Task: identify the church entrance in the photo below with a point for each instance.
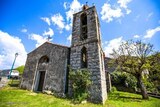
(41, 80)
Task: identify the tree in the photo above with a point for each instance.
(20, 69)
(131, 57)
(154, 71)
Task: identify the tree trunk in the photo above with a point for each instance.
(142, 87)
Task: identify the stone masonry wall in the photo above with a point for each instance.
(108, 70)
(56, 69)
(94, 53)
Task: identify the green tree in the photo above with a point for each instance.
(131, 57)
(154, 71)
(20, 69)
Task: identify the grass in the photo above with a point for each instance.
(11, 96)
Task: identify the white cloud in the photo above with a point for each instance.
(128, 11)
(49, 32)
(9, 45)
(47, 20)
(110, 12)
(73, 7)
(67, 27)
(69, 38)
(112, 44)
(136, 36)
(123, 3)
(65, 5)
(149, 15)
(24, 30)
(58, 20)
(151, 32)
(39, 39)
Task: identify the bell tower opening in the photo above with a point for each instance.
(84, 58)
(41, 72)
(83, 25)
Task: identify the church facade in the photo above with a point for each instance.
(46, 67)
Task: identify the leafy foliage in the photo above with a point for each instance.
(80, 82)
(113, 89)
(124, 79)
(20, 69)
(154, 72)
(132, 57)
(149, 85)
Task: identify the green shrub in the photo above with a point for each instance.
(113, 89)
(125, 80)
(80, 82)
(131, 81)
(149, 85)
(20, 69)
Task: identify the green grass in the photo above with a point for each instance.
(11, 96)
(124, 99)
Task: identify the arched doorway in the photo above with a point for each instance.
(41, 71)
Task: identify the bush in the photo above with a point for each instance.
(20, 69)
(80, 82)
(113, 89)
(131, 81)
(149, 85)
(125, 80)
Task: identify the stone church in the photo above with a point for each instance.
(46, 67)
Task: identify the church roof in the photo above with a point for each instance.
(58, 44)
(51, 44)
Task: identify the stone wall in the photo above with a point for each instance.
(56, 69)
(108, 70)
(95, 58)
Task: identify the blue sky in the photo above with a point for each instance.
(25, 24)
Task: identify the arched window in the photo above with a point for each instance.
(83, 58)
(83, 26)
(44, 59)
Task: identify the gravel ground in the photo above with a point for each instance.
(3, 81)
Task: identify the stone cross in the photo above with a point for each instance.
(86, 3)
(48, 38)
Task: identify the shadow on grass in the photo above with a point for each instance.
(14, 83)
(124, 98)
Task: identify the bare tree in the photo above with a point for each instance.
(131, 57)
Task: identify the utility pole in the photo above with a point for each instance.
(16, 54)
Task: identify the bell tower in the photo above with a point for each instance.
(86, 51)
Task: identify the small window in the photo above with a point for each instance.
(83, 26)
(83, 58)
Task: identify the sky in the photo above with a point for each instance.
(26, 24)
